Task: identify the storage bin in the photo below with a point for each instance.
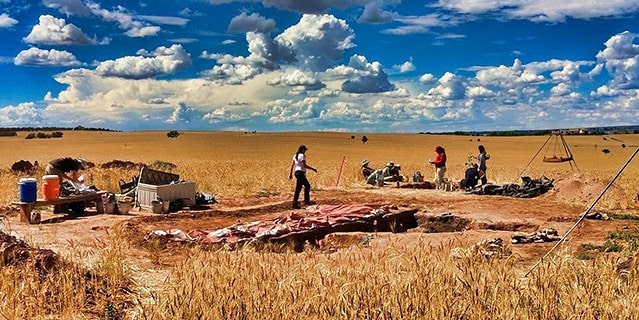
(147, 193)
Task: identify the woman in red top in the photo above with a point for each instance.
(440, 166)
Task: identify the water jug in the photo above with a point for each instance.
(28, 189)
(51, 187)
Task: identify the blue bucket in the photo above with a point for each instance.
(28, 189)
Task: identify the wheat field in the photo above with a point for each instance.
(229, 164)
(397, 282)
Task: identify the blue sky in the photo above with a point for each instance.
(323, 65)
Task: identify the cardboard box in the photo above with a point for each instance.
(166, 192)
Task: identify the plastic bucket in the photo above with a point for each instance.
(109, 208)
(28, 189)
(157, 206)
(51, 187)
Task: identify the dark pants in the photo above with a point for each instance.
(300, 176)
(484, 180)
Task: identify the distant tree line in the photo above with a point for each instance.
(77, 128)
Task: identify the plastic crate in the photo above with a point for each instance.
(166, 192)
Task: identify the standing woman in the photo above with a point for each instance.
(481, 163)
(300, 166)
(440, 166)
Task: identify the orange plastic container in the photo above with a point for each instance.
(51, 187)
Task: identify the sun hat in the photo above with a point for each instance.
(365, 162)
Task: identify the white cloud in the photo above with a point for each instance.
(479, 92)
(52, 31)
(187, 12)
(451, 87)
(6, 21)
(163, 60)
(317, 41)
(141, 32)
(621, 59)
(125, 20)
(24, 114)
(373, 79)
(407, 66)
(297, 78)
(166, 20)
(222, 115)
(374, 13)
(229, 41)
(181, 114)
(419, 24)
(52, 58)
(426, 78)
(543, 10)
(68, 7)
(251, 23)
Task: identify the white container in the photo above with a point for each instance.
(147, 193)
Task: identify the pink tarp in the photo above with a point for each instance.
(313, 217)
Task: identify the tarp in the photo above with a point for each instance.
(314, 222)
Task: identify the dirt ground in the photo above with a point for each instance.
(486, 217)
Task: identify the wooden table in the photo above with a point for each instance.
(27, 207)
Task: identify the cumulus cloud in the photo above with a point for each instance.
(375, 79)
(374, 13)
(407, 66)
(297, 78)
(161, 61)
(181, 114)
(451, 87)
(426, 78)
(53, 31)
(221, 115)
(24, 114)
(621, 59)
(283, 110)
(251, 23)
(6, 21)
(317, 41)
(51, 58)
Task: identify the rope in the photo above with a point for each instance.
(583, 215)
(531, 160)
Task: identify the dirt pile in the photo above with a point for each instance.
(582, 189)
(122, 164)
(15, 251)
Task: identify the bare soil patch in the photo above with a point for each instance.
(444, 218)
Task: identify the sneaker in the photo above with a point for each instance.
(296, 206)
